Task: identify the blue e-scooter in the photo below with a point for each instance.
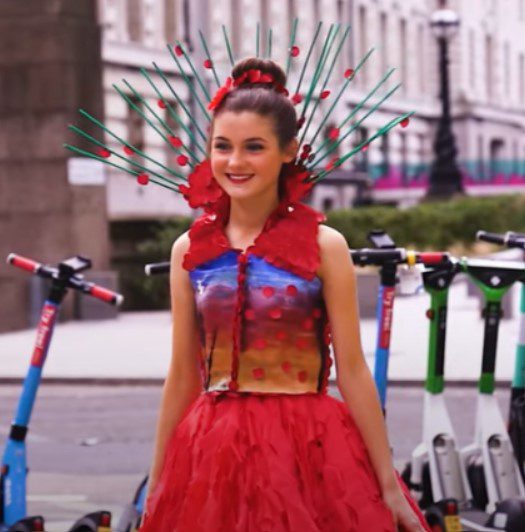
(13, 472)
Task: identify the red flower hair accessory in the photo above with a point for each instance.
(220, 94)
(295, 186)
(203, 190)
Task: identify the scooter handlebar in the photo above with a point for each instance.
(108, 296)
(23, 263)
(509, 239)
(432, 258)
(493, 238)
(156, 268)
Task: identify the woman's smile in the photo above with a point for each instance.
(239, 178)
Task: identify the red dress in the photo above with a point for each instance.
(264, 448)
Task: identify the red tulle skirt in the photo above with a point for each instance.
(267, 463)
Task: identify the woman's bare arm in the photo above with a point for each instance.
(182, 385)
(353, 376)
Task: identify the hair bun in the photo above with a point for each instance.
(266, 66)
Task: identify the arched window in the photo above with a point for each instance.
(135, 20)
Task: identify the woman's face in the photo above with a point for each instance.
(246, 158)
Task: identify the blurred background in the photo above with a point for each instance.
(461, 64)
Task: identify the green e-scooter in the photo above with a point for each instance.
(493, 472)
(516, 423)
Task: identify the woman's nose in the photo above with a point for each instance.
(236, 159)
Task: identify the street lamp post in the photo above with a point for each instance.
(445, 176)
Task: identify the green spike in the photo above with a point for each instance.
(325, 52)
(85, 153)
(380, 132)
(228, 45)
(257, 38)
(307, 60)
(269, 46)
(92, 119)
(162, 122)
(189, 84)
(208, 56)
(93, 140)
(339, 95)
(143, 115)
(293, 34)
(354, 126)
(181, 103)
(195, 73)
(325, 83)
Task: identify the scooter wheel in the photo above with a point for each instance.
(425, 490)
(435, 519)
(476, 478)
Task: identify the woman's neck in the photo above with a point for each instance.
(248, 216)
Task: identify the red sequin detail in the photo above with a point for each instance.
(324, 95)
(281, 335)
(294, 52)
(143, 179)
(128, 150)
(233, 386)
(349, 72)
(302, 376)
(161, 104)
(276, 313)
(175, 141)
(291, 290)
(208, 63)
(301, 343)
(404, 123)
(286, 366)
(178, 50)
(260, 343)
(103, 152)
(297, 98)
(258, 373)
(308, 324)
(317, 313)
(182, 160)
(268, 291)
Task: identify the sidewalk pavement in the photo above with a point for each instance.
(136, 345)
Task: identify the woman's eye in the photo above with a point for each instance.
(221, 146)
(255, 147)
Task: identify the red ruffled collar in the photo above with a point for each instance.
(289, 236)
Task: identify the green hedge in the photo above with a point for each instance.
(427, 226)
(433, 225)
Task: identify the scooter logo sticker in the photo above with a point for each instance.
(45, 328)
(386, 316)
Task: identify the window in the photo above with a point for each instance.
(135, 126)
(383, 46)
(135, 20)
(171, 20)
(521, 79)
(291, 15)
(404, 159)
(506, 67)
(361, 158)
(265, 26)
(496, 151)
(404, 52)
(489, 74)
(421, 50)
(363, 45)
(472, 57)
(481, 163)
(328, 204)
(385, 156)
(171, 155)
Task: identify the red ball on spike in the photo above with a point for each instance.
(208, 63)
(332, 164)
(128, 150)
(175, 141)
(300, 122)
(297, 98)
(182, 160)
(103, 152)
(333, 134)
(161, 104)
(294, 51)
(404, 123)
(143, 179)
(178, 50)
(349, 72)
(365, 147)
(324, 95)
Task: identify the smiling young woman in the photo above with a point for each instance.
(247, 437)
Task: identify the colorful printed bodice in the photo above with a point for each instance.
(263, 329)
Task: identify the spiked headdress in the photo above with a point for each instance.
(316, 154)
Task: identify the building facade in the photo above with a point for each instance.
(487, 73)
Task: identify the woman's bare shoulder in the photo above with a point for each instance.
(332, 248)
(180, 247)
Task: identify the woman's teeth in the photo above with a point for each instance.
(239, 178)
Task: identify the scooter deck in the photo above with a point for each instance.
(475, 520)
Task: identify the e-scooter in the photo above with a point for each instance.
(493, 472)
(516, 423)
(13, 473)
